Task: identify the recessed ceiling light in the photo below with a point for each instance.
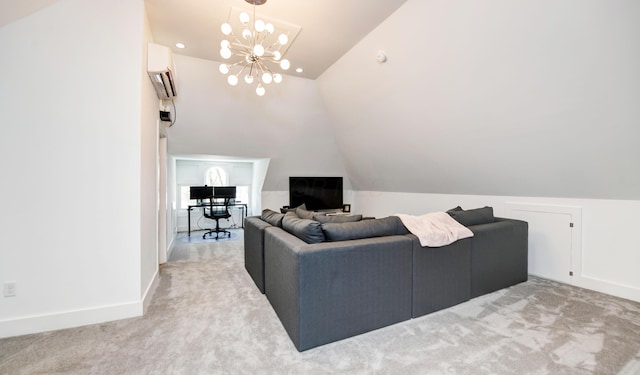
(179, 45)
(299, 70)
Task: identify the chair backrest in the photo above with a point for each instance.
(218, 208)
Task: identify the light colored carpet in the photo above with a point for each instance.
(207, 317)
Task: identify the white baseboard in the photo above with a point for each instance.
(170, 247)
(607, 287)
(602, 286)
(148, 294)
(69, 319)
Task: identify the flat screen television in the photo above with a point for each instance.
(200, 192)
(224, 191)
(317, 193)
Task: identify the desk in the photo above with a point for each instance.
(243, 207)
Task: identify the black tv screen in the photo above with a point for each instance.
(224, 191)
(317, 193)
(200, 192)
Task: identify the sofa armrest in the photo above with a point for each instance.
(329, 291)
(499, 255)
(254, 249)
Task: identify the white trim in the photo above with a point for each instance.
(148, 294)
(608, 287)
(580, 277)
(170, 247)
(575, 213)
(69, 319)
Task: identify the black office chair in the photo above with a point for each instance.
(217, 210)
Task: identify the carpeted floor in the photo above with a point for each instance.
(207, 317)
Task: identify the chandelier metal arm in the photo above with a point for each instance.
(249, 47)
(234, 46)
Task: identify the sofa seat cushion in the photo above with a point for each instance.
(272, 217)
(309, 231)
(475, 216)
(388, 226)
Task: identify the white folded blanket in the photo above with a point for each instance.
(435, 229)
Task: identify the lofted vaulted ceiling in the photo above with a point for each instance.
(12, 10)
(538, 98)
(329, 28)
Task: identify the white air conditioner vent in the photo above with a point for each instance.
(161, 70)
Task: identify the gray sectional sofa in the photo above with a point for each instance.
(329, 278)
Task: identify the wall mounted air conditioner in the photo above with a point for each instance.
(161, 70)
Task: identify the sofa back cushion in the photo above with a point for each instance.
(322, 218)
(475, 216)
(387, 226)
(272, 217)
(309, 231)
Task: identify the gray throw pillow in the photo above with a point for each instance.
(304, 214)
(309, 231)
(475, 216)
(322, 218)
(387, 226)
(272, 217)
(285, 210)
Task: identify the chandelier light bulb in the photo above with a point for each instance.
(244, 18)
(258, 50)
(225, 53)
(233, 80)
(226, 29)
(270, 28)
(255, 50)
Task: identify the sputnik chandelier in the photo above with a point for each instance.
(253, 49)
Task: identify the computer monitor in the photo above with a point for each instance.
(200, 192)
(224, 192)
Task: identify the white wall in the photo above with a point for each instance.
(71, 150)
(289, 125)
(149, 170)
(192, 172)
(528, 98)
(172, 202)
(609, 247)
(482, 103)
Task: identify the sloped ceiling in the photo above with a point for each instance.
(534, 98)
(329, 28)
(12, 10)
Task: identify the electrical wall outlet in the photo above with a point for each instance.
(10, 289)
